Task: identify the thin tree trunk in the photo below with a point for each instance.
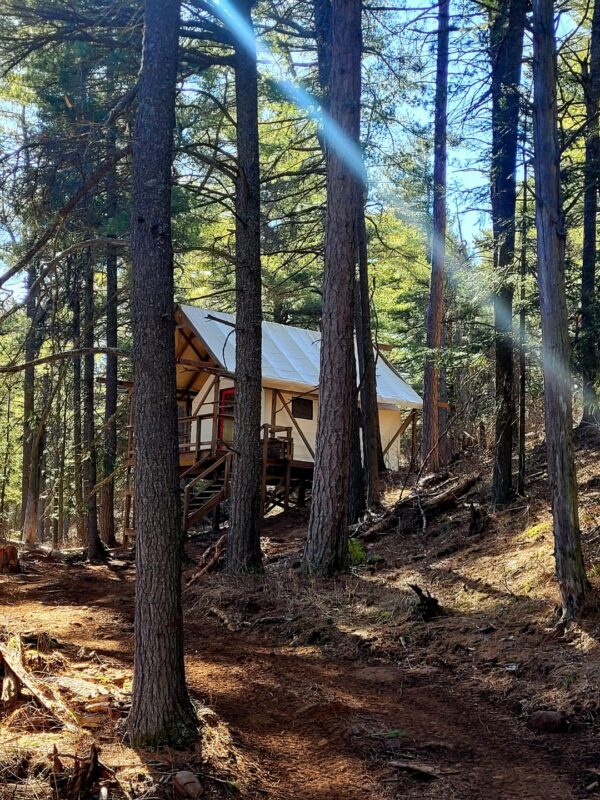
(523, 330)
(356, 481)
(591, 178)
(31, 351)
(372, 448)
(327, 543)
(95, 550)
(161, 711)
(243, 541)
(507, 27)
(30, 523)
(107, 501)
(32, 532)
(6, 462)
(555, 334)
(61, 477)
(435, 312)
(75, 303)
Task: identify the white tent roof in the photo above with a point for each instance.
(290, 356)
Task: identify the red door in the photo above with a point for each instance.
(226, 401)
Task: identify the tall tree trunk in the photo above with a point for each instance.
(523, 333)
(30, 522)
(31, 351)
(591, 180)
(62, 532)
(32, 530)
(243, 542)
(95, 550)
(161, 711)
(323, 12)
(356, 481)
(6, 463)
(372, 449)
(555, 334)
(435, 312)
(107, 501)
(75, 303)
(507, 27)
(327, 542)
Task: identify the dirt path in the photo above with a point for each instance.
(307, 723)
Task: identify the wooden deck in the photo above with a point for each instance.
(206, 468)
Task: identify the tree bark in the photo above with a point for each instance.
(591, 178)
(6, 463)
(95, 550)
(372, 449)
(507, 26)
(243, 541)
(75, 303)
(523, 335)
(356, 481)
(555, 335)
(327, 543)
(31, 351)
(161, 711)
(107, 501)
(430, 447)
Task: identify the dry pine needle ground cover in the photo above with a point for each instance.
(328, 690)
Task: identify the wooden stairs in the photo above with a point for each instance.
(205, 486)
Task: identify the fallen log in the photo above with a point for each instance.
(210, 558)
(451, 495)
(409, 511)
(12, 664)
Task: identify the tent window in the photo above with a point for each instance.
(302, 408)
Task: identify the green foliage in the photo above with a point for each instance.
(357, 552)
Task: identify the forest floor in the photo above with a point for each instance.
(337, 690)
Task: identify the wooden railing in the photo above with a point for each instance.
(275, 446)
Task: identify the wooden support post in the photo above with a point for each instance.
(288, 481)
(302, 493)
(413, 451)
(273, 407)
(265, 456)
(215, 419)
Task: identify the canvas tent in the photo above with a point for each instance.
(205, 349)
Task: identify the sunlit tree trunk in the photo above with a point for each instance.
(507, 25)
(107, 501)
(95, 550)
(31, 351)
(555, 334)
(327, 543)
(590, 324)
(372, 449)
(161, 711)
(430, 448)
(523, 336)
(245, 520)
(75, 304)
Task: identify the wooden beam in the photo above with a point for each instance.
(404, 425)
(273, 408)
(295, 424)
(215, 418)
